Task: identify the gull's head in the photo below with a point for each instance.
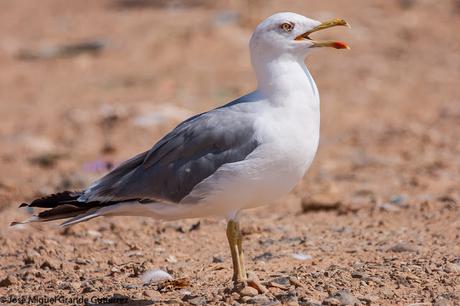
(289, 34)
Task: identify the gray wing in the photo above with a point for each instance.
(169, 171)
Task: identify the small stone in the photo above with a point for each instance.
(301, 256)
(287, 298)
(398, 199)
(369, 299)
(115, 270)
(217, 259)
(331, 302)
(94, 234)
(31, 255)
(263, 257)
(130, 286)
(171, 259)
(154, 276)
(320, 202)
(282, 280)
(401, 247)
(80, 261)
(235, 296)
(134, 253)
(108, 242)
(248, 291)
(8, 281)
(87, 289)
(309, 302)
(387, 293)
(199, 300)
(343, 297)
(452, 268)
(150, 293)
(359, 275)
(49, 264)
(259, 300)
(295, 281)
(65, 286)
(389, 207)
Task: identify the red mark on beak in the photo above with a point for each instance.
(340, 45)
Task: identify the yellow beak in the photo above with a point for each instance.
(326, 43)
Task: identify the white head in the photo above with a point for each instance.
(288, 34)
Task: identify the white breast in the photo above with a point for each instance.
(289, 138)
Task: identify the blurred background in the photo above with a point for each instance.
(86, 84)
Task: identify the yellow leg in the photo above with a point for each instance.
(239, 244)
(235, 242)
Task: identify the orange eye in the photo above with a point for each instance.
(287, 26)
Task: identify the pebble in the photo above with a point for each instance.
(282, 280)
(309, 302)
(150, 293)
(248, 291)
(171, 259)
(154, 276)
(134, 253)
(130, 286)
(331, 302)
(199, 300)
(301, 256)
(263, 257)
(94, 234)
(217, 259)
(287, 298)
(65, 286)
(115, 270)
(80, 261)
(389, 207)
(343, 297)
(108, 242)
(30, 257)
(452, 268)
(401, 247)
(295, 281)
(359, 275)
(258, 300)
(49, 264)
(398, 199)
(369, 299)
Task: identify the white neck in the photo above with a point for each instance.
(285, 80)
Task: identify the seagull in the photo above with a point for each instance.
(241, 155)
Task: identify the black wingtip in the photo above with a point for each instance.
(23, 205)
(14, 223)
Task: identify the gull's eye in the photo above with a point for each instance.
(287, 26)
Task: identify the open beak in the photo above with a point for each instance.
(326, 43)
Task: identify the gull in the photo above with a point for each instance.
(241, 155)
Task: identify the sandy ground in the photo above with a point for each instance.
(375, 221)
